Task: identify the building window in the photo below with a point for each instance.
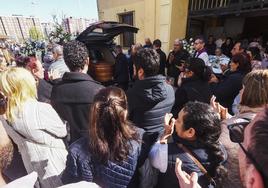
(126, 39)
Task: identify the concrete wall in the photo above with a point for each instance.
(107, 4)
(111, 13)
(157, 19)
(178, 21)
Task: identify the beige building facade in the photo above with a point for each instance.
(17, 27)
(157, 19)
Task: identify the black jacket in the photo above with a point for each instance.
(149, 100)
(226, 49)
(163, 61)
(72, 98)
(210, 48)
(173, 67)
(44, 89)
(192, 89)
(121, 72)
(226, 90)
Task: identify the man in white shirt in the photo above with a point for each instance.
(59, 63)
(201, 53)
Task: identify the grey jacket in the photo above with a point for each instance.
(38, 132)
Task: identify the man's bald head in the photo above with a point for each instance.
(178, 45)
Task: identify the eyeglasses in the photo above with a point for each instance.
(236, 132)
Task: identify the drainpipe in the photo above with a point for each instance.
(98, 8)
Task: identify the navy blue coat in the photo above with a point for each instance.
(226, 90)
(81, 166)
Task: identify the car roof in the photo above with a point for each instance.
(104, 31)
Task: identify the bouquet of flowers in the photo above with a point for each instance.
(29, 48)
(59, 36)
(189, 46)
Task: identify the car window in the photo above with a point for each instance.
(96, 55)
(102, 54)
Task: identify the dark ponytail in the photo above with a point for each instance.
(217, 159)
(110, 132)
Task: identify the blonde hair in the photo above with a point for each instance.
(18, 85)
(255, 93)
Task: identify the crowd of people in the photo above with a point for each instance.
(181, 120)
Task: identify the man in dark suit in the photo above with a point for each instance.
(73, 96)
(121, 72)
(163, 58)
(175, 60)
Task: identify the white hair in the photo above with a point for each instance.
(58, 49)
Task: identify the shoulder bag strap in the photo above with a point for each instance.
(196, 161)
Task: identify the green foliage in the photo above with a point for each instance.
(35, 34)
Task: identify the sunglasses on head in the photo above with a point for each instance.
(236, 133)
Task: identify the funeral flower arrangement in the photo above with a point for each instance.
(189, 46)
(31, 47)
(59, 36)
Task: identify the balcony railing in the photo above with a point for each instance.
(199, 7)
(207, 4)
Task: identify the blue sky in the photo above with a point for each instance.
(45, 8)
